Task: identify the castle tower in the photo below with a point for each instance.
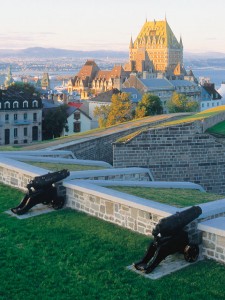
(156, 47)
(9, 80)
(45, 82)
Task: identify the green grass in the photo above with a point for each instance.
(187, 119)
(218, 129)
(68, 255)
(174, 197)
(57, 167)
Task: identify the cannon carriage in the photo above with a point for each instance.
(169, 238)
(42, 190)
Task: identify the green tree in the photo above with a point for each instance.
(181, 103)
(55, 120)
(120, 109)
(148, 106)
(101, 113)
(26, 88)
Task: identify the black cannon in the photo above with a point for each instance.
(41, 190)
(169, 238)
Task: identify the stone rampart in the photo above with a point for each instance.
(177, 153)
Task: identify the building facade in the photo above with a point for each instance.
(156, 49)
(90, 80)
(20, 118)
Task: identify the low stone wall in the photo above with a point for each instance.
(213, 239)
(125, 210)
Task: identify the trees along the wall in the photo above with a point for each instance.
(120, 109)
(101, 113)
(54, 122)
(181, 103)
(148, 106)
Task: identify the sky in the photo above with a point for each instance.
(109, 24)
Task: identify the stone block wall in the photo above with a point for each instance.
(122, 214)
(101, 148)
(177, 153)
(213, 239)
(121, 209)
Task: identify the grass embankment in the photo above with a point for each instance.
(195, 117)
(69, 255)
(174, 197)
(69, 167)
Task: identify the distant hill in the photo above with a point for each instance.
(193, 60)
(39, 52)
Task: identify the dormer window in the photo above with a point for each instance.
(25, 104)
(7, 105)
(15, 104)
(35, 103)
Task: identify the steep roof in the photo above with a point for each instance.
(89, 69)
(156, 33)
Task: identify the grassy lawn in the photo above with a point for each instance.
(57, 167)
(175, 197)
(69, 255)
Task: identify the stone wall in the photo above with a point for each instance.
(101, 148)
(113, 206)
(213, 239)
(177, 153)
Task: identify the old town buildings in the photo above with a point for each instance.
(20, 117)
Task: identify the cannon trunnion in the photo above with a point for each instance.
(41, 190)
(169, 238)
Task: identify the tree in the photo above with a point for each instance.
(120, 109)
(181, 103)
(23, 87)
(55, 120)
(148, 106)
(102, 112)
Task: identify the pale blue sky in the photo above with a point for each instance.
(104, 24)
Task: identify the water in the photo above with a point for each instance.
(216, 76)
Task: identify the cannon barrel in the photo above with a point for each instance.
(47, 180)
(170, 225)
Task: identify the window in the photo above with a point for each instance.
(7, 105)
(15, 132)
(7, 117)
(25, 131)
(25, 104)
(25, 116)
(15, 117)
(35, 117)
(15, 104)
(76, 115)
(35, 103)
(76, 127)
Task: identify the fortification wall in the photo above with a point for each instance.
(177, 153)
(101, 148)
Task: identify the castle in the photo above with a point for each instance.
(156, 49)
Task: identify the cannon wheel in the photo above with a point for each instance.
(191, 252)
(58, 203)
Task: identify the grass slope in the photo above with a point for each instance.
(57, 167)
(68, 255)
(175, 197)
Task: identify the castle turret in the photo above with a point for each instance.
(9, 80)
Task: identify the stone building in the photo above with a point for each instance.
(156, 49)
(20, 118)
(91, 80)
